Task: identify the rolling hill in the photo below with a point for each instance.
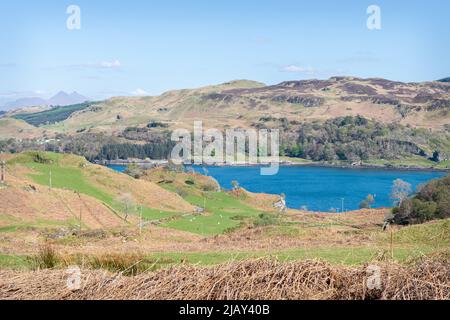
(240, 103)
(341, 114)
(50, 189)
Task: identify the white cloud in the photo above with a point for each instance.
(298, 69)
(140, 92)
(292, 68)
(110, 64)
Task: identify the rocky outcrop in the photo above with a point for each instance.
(439, 104)
(306, 101)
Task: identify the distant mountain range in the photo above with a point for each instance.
(445, 80)
(60, 99)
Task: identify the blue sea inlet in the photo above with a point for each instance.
(319, 188)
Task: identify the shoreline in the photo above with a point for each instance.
(366, 166)
(155, 163)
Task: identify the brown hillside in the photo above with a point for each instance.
(243, 103)
(24, 201)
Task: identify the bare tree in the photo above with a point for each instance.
(400, 191)
(281, 204)
(126, 203)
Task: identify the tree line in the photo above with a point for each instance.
(157, 151)
(356, 138)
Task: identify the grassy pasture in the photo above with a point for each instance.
(223, 213)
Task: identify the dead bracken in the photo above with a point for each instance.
(427, 278)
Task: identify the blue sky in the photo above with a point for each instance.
(136, 47)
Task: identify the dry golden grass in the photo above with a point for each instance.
(146, 193)
(260, 201)
(428, 278)
(30, 202)
(192, 182)
(12, 128)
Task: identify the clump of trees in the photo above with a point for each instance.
(348, 138)
(146, 133)
(125, 151)
(157, 124)
(432, 201)
(356, 138)
(53, 115)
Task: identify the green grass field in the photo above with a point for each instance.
(419, 162)
(435, 234)
(408, 243)
(334, 255)
(67, 173)
(14, 262)
(224, 212)
(64, 177)
(39, 224)
(224, 209)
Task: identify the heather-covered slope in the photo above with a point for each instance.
(243, 102)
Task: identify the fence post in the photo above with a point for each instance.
(3, 172)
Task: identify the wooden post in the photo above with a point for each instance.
(79, 198)
(392, 245)
(50, 179)
(140, 220)
(3, 172)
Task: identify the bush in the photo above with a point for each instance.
(209, 187)
(266, 219)
(181, 192)
(364, 204)
(367, 202)
(127, 264)
(40, 157)
(46, 258)
(423, 211)
(431, 202)
(134, 171)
